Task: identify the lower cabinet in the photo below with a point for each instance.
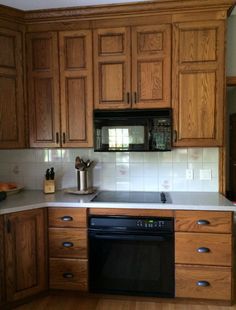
(25, 254)
(203, 255)
(68, 255)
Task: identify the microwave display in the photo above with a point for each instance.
(141, 130)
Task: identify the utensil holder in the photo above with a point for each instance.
(83, 180)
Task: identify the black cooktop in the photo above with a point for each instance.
(132, 197)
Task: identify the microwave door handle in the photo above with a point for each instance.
(129, 237)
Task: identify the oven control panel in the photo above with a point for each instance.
(152, 224)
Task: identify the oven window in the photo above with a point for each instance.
(132, 266)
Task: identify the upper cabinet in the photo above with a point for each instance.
(132, 67)
(43, 89)
(197, 85)
(60, 91)
(76, 88)
(12, 120)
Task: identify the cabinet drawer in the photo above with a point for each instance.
(190, 281)
(66, 242)
(71, 274)
(204, 249)
(67, 217)
(203, 221)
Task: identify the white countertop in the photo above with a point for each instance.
(29, 199)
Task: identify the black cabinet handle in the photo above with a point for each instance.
(64, 138)
(67, 218)
(203, 222)
(57, 137)
(203, 250)
(68, 275)
(68, 244)
(128, 98)
(203, 283)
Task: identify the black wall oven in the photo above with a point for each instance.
(133, 256)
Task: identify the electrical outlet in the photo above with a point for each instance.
(205, 174)
(189, 174)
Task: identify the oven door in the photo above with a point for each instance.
(133, 264)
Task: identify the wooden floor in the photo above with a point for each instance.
(85, 303)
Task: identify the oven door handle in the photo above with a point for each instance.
(130, 237)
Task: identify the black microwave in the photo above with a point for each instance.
(132, 130)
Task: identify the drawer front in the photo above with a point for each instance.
(71, 274)
(204, 221)
(203, 249)
(68, 243)
(67, 217)
(203, 282)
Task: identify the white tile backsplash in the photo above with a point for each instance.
(153, 171)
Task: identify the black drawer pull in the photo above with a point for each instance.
(203, 222)
(68, 275)
(203, 283)
(67, 218)
(203, 250)
(68, 244)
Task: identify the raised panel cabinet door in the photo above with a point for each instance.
(151, 66)
(76, 88)
(12, 109)
(25, 254)
(43, 89)
(198, 83)
(112, 75)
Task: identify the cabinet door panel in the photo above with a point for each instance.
(112, 68)
(151, 51)
(198, 105)
(198, 79)
(43, 85)
(25, 252)
(76, 88)
(12, 122)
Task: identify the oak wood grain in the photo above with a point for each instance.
(218, 222)
(219, 246)
(43, 89)
(25, 254)
(130, 212)
(12, 122)
(198, 76)
(76, 88)
(78, 217)
(219, 279)
(77, 239)
(78, 270)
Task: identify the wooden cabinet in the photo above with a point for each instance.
(132, 67)
(43, 89)
(197, 83)
(12, 124)
(25, 254)
(68, 249)
(203, 255)
(60, 72)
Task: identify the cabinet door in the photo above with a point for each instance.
(76, 88)
(112, 68)
(25, 254)
(43, 89)
(151, 65)
(198, 83)
(12, 122)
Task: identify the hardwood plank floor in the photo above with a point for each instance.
(85, 303)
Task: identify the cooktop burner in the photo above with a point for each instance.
(132, 197)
